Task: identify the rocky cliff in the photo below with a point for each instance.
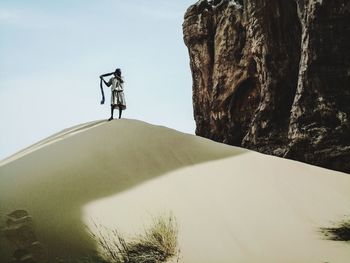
(273, 76)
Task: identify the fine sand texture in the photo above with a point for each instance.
(56, 177)
(231, 205)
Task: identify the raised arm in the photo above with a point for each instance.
(106, 75)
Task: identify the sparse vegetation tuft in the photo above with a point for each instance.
(338, 233)
(157, 244)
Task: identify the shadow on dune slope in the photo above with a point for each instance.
(55, 180)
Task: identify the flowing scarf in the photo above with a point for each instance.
(101, 86)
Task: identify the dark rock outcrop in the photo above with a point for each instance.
(273, 76)
(19, 231)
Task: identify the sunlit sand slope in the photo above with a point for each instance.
(56, 177)
(231, 205)
(247, 208)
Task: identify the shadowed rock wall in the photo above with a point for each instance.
(273, 76)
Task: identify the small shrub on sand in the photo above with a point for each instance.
(338, 233)
(157, 244)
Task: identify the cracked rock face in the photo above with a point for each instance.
(273, 76)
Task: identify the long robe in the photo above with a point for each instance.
(117, 93)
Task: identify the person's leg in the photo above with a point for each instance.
(120, 112)
(112, 109)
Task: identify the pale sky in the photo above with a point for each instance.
(52, 53)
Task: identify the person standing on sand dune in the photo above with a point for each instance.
(117, 91)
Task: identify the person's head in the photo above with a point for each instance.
(118, 72)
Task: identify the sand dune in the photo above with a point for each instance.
(52, 139)
(232, 205)
(52, 180)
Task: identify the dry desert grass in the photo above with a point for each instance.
(340, 232)
(157, 244)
